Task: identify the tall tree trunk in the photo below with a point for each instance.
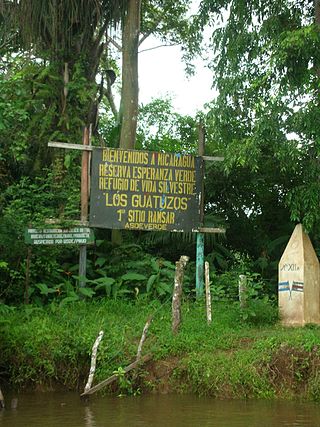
(317, 23)
(130, 86)
(317, 11)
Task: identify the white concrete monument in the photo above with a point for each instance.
(299, 285)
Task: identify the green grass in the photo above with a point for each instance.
(237, 356)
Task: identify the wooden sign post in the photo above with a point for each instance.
(202, 230)
(299, 286)
(85, 162)
(200, 235)
(140, 190)
(84, 206)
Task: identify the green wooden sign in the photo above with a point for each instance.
(59, 236)
(140, 190)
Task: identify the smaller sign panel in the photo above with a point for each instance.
(59, 236)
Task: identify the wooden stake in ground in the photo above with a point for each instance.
(27, 280)
(177, 293)
(1, 400)
(243, 290)
(93, 361)
(143, 336)
(139, 360)
(208, 293)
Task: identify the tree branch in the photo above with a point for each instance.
(148, 33)
(108, 93)
(102, 31)
(115, 44)
(157, 47)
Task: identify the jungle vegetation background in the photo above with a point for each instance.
(58, 62)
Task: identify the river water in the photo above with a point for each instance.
(67, 410)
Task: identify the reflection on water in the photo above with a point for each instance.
(88, 417)
(67, 410)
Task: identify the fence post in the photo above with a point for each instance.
(208, 293)
(243, 290)
(1, 400)
(177, 293)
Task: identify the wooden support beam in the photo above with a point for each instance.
(216, 230)
(114, 377)
(68, 146)
(70, 223)
(212, 158)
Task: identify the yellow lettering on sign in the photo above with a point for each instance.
(117, 199)
(159, 217)
(142, 226)
(156, 227)
(136, 216)
(116, 171)
(120, 212)
(185, 175)
(147, 173)
(134, 185)
(102, 170)
(149, 186)
(113, 155)
(159, 202)
(104, 155)
(175, 160)
(146, 201)
(175, 187)
(115, 184)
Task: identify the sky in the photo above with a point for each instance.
(162, 71)
(162, 74)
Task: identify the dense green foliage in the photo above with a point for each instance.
(265, 66)
(233, 357)
(51, 61)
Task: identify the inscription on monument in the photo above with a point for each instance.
(290, 267)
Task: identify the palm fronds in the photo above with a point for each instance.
(59, 24)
